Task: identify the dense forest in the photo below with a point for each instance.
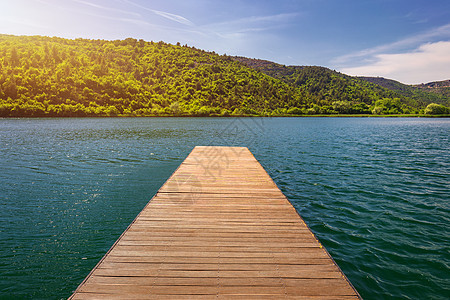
(43, 76)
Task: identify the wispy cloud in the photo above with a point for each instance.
(252, 20)
(173, 17)
(428, 62)
(266, 19)
(89, 4)
(240, 28)
(167, 15)
(133, 17)
(106, 8)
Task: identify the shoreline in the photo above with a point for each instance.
(232, 116)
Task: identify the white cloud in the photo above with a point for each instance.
(435, 34)
(429, 62)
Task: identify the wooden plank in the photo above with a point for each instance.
(219, 228)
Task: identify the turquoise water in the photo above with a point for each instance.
(375, 191)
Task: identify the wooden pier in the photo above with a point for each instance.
(219, 228)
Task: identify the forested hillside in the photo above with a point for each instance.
(437, 92)
(344, 93)
(42, 76)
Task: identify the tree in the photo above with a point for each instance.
(342, 107)
(436, 109)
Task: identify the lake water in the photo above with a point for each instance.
(375, 191)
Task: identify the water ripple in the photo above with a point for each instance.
(374, 191)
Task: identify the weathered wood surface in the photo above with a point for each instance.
(218, 228)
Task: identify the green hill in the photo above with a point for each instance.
(433, 92)
(42, 76)
(324, 87)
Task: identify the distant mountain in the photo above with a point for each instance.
(441, 88)
(435, 84)
(433, 92)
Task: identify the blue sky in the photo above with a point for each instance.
(405, 40)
